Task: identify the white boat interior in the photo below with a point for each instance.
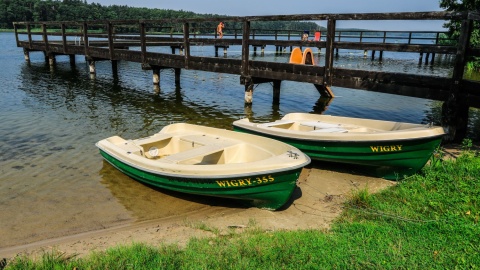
(184, 144)
(313, 126)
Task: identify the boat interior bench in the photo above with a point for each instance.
(278, 124)
(314, 126)
(190, 149)
(199, 155)
(322, 127)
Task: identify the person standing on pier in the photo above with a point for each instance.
(220, 29)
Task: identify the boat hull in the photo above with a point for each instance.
(270, 190)
(392, 160)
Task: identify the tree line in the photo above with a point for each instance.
(79, 10)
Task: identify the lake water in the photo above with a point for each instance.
(53, 181)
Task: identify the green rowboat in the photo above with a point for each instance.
(391, 150)
(208, 161)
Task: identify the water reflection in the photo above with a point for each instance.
(115, 103)
(206, 98)
(322, 105)
(147, 202)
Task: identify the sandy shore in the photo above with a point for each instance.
(318, 199)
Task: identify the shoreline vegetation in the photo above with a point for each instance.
(427, 221)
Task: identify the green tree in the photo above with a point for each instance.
(454, 26)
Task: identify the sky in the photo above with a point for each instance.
(283, 7)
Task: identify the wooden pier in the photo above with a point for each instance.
(135, 41)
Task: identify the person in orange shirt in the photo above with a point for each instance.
(220, 29)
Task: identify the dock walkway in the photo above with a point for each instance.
(136, 41)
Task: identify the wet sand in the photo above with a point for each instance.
(316, 202)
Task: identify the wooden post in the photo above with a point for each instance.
(143, 42)
(324, 91)
(245, 69)
(29, 31)
(64, 39)
(72, 59)
(420, 58)
(276, 91)
(454, 109)
(186, 46)
(85, 39)
(91, 65)
(114, 66)
(26, 54)
(45, 37)
(248, 94)
(178, 71)
(328, 75)
(156, 76)
(51, 59)
(111, 48)
(16, 34)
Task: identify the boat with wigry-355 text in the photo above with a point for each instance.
(201, 160)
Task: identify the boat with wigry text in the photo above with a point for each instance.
(387, 149)
(209, 161)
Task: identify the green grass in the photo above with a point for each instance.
(428, 221)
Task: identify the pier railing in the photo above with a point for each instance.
(140, 41)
